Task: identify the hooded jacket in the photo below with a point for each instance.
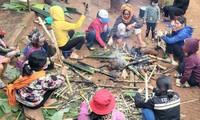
(191, 61)
(60, 26)
(179, 35)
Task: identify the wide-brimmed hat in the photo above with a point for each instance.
(103, 14)
(103, 102)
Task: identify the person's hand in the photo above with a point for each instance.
(105, 47)
(64, 70)
(141, 90)
(150, 87)
(144, 21)
(13, 48)
(6, 60)
(160, 33)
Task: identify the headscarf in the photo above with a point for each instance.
(129, 8)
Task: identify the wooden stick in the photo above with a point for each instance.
(168, 70)
(47, 32)
(146, 88)
(52, 37)
(125, 103)
(122, 87)
(189, 101)
(151, 73)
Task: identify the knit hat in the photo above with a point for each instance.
(103, 102)
(121, 29)
(103, 14)
(36, 37)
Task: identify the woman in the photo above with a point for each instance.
(165, 105)
(98, 30)
(175, 40)
(64, 31)
(35, 86)
(190, 67)
(102, 106)
(127, 24)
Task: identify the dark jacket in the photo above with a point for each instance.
(163, 108)
(179, 36)
(191, 61)
(119, 20)
(183, 4)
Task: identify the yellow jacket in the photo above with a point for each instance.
(60, 26)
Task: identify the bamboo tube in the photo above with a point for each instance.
(122, 87)
(146, 88)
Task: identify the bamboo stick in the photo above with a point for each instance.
(123, 87)
(151, 73)
(125, 103)
(146, 88)
(189, 101)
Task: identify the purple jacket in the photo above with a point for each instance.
(192, 61)
(84, 115)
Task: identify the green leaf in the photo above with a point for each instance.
(57, 115)
(12, 116)
(130, 92)
(73, 112)
(2, 113)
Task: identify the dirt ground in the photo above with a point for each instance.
(9, 20)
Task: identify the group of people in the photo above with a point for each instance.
(35, 86)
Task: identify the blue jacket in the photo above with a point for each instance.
(178, 36)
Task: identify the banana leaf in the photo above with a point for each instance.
(14, 6)
(79, 66)
(12, 73)
(58, 115)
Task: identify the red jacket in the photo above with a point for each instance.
(97, 26)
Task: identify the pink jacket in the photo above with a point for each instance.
(97, 26)
(84, 115)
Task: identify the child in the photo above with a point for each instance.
(152, 17)
(35, 86)
(98, 30)
(165, 105)
(190, 67)
(102, 106)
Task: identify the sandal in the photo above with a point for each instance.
(165, 20)
(91, 48)
(77, 58)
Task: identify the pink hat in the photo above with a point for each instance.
(103, 102)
